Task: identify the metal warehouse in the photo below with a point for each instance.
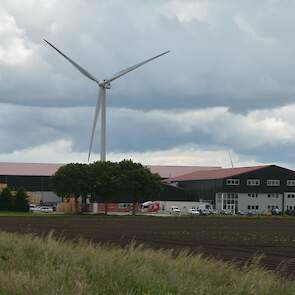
(258, 188)
(35, 179)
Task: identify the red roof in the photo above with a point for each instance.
(174, 171)
(44, 169)
(28, 169)
(216, 174)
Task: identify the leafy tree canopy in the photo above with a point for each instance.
(106, 179)
(71, 180)
(21, 202)
(6, 199)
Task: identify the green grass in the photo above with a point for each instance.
(31, 265)
(29, 214)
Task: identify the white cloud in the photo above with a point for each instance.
(13, 50)
(61, 151)
(187, 10)
(152, 134)
(246, 27)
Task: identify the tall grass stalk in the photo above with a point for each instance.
(34, 265)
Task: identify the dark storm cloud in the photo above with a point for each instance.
(235, 54)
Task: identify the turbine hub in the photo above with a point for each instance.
(105, 85)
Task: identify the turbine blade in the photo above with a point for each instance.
(79, 68)
(101, 93)
(125, 71)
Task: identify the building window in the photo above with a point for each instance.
(249, 207)
(291, 182)
(274, 195)
(253, 182)
(273, 182)
(253, 195)
(233, 181)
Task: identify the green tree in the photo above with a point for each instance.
(6, 199)
(105, 179)
(72, 180)
(21, 202)
(139, 182)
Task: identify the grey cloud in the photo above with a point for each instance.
(214, 61)
(268, 137)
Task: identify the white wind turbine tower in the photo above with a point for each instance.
(101, 100)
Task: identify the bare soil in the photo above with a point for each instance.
(238, 239)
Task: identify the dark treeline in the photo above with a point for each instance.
(106, 179)
(14, 201)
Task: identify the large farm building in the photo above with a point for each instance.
(258, 188)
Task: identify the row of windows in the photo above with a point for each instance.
(231, 181)
(273, 195)
(256, 182)
(253, 182)
(273, 182)
(291, 182)
(227, 196)
(251, 207)
(253, 195)
(291, 196)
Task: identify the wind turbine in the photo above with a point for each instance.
(231, 160)
(101, 99)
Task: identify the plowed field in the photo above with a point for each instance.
(237, 239)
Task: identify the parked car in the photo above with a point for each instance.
(204, 212)
(276, 211)
(46, 209)
(213, 211)
(226, 212)
(194, 212)
(290, 212)
(174, 210)
(34, 208)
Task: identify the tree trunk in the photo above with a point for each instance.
(106, 208)
(134, 205)
(84, 205)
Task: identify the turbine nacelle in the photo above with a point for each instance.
(103, 83)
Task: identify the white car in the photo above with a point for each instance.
(194, 212)
(34, 208)
(46, 209)
(174, 210)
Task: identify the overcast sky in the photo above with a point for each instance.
(227, 85)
